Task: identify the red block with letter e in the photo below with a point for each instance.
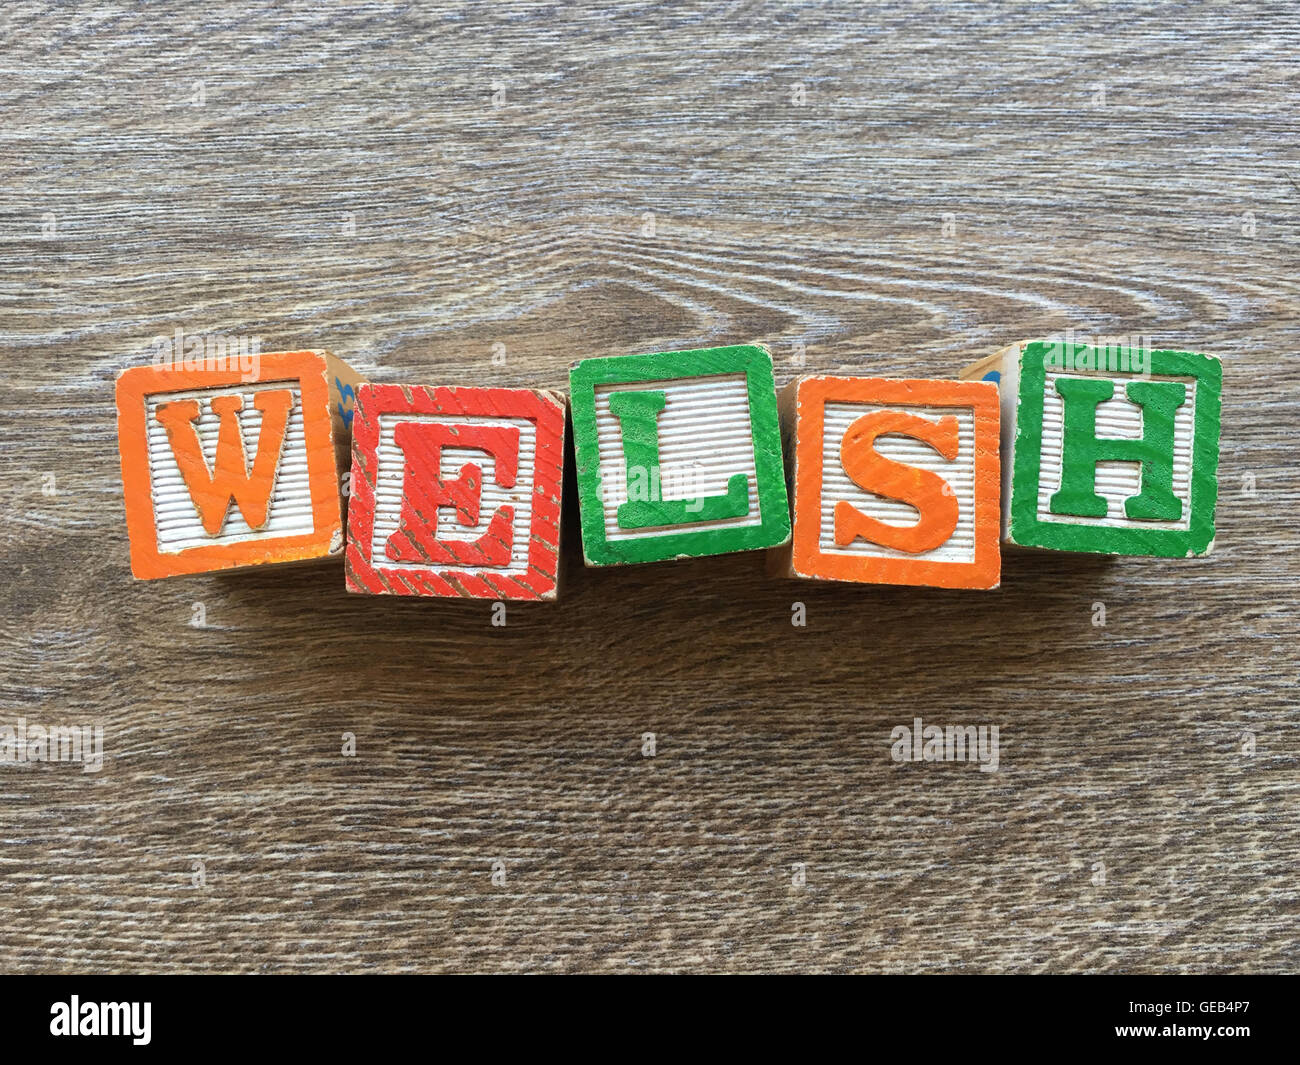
(456, 492)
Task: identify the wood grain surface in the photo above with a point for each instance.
(895, 189)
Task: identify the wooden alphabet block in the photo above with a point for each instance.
(678, 455)
(456, 492)
(894, 481)
(269, 435)
(1112, 450)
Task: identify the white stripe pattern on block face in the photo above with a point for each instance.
(706, 436)
(838, 417)
(390, 467)
(1118, 418)
(177, 519)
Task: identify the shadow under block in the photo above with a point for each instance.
(678, 455)
(456, 492)
(894, 482)
(226, 466)
(1109, 450)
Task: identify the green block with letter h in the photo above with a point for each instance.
(678, 455)
(1112, 450)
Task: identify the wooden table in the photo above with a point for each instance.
(484, 193)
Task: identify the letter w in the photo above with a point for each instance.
(230, 478)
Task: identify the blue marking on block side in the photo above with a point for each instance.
(348, 396)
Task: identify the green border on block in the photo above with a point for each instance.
(1026, 528)
(773, 504)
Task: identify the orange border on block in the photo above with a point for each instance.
(307, 369)
(807, 558)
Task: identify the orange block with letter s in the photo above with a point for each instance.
(893, 481)
(227, 465)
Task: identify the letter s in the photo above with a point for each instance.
(926, 491)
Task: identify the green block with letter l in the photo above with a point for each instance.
(678, 455)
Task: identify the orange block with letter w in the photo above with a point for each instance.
(234, 465)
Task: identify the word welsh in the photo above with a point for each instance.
(457, 491)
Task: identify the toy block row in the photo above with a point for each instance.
(456, 491)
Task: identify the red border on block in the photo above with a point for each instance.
(545, 410)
